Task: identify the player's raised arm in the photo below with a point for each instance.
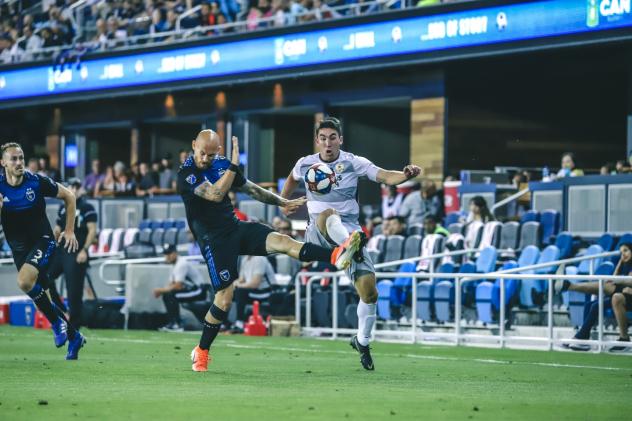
(216, 192)
(266, 196)
(68, 234)
(393, 178)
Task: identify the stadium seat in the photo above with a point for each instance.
(452, 218)
(529, 235)
(183, 237)
(473, 233)
(491, 234)
(454, 242)
(377, 230)
(549, 254)
(168, 223)
(415, 229)
(455, 228)
(550, 222)
(564, 242)
(425, 297)
(486, 261)
(412, 246)
(511, 286)
(116, 244)
(157, 238)
(530, 216)
(589, 266)
(484, 292)
(144, 224)
(509, 236)
(393, 249)
(444, 300)
(155, 223)
(181, 224)
(139, 251)
(606, 241)
(171, 236)
(105, 237)
(384, 299)
(375, 256)
(402, 285)
(145, 235)
(130, 236)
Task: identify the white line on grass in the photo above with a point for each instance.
(232, 344)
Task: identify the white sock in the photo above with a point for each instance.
(366, 320)
(335, 230)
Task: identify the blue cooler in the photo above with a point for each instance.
(22, 313)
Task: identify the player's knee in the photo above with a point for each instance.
(321, 221)
(370, 296)
(25, 282)
(618, 299)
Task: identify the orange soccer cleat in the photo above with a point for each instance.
(342, 255)
(200, 359)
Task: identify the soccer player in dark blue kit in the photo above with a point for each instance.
(31, 239)
(203, 182)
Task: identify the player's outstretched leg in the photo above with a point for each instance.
(62, 331)
(330, 225)
(365, 285)
(216, 315)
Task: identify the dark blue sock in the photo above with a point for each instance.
(39, 297)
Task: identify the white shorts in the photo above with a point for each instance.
(314, 236)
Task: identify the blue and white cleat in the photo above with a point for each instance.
(75, 345)
(59, 332)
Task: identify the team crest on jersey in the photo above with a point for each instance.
(339, 168)
(225, 275)
(30, 194)
(191, 179)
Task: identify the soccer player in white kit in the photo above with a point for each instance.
(334, 215)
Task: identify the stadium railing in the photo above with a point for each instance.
(457, 337)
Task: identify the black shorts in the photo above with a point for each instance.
(38, 254)
(221, 249)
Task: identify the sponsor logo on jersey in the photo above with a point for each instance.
(5, 199)
(191, 179)
(339, 168)
(30, 194)
(225, 275)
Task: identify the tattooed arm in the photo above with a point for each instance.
(216, 192)
(266, 196)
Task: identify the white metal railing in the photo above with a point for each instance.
(167, 37)
(125, 262)
(509, 199)
(457, 336)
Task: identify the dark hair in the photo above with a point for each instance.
(571, 155)
(329, 123)
(10, 145)
(481, 203)
(399, 219)
(628, 245)
(431, 217)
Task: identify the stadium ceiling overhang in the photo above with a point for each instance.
(424, 35)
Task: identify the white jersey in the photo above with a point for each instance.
(343, 196)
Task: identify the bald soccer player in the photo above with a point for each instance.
(204, 180)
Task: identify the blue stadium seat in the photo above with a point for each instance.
(550, 225)
(585, 265)
(144, 224)
(444, 299)
(549, 254)
(530, 216)
(529, 234)
(425, 296)
(577, 300)
(401, 286)
(528, 257)
(509, 235)
(564, 242)
(181, 223)
(412, 246)
(415, 229)
(484, 292)
(451, 218)
(486, 261)
(384, 299)
(155, 223)
(168, 223)
(511, 286)
(606, 241)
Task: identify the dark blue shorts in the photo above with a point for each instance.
(38, 254)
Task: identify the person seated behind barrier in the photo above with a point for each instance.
(186, 284)
(417, 205)
(432, 226)
(479, 211)
(256, 277)
(568, 166)
(394, 225)
(618, 297)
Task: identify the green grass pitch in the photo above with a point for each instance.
(147, 375)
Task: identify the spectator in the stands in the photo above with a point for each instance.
(186, 284)
(147, 183)
(607, 169)
(101, 36)
(479, 211)
(46, 170)
(31, 43)
(568, 165)
(432, 226)
(91, 180)
(619, 166)
(396, 225)
(167, 179)
(278, 11)
(33, 165)
(7, 50)
(183, 155)
(116, 35)
(124, 185)
(256, 278)
(233, 200)
(618, 297)
(158, 23)
(392, 202)
(105, 186)
(417, 205)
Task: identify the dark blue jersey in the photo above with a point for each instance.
(201, 213)
(24, 209)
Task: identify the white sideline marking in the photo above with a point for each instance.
(313, 348)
